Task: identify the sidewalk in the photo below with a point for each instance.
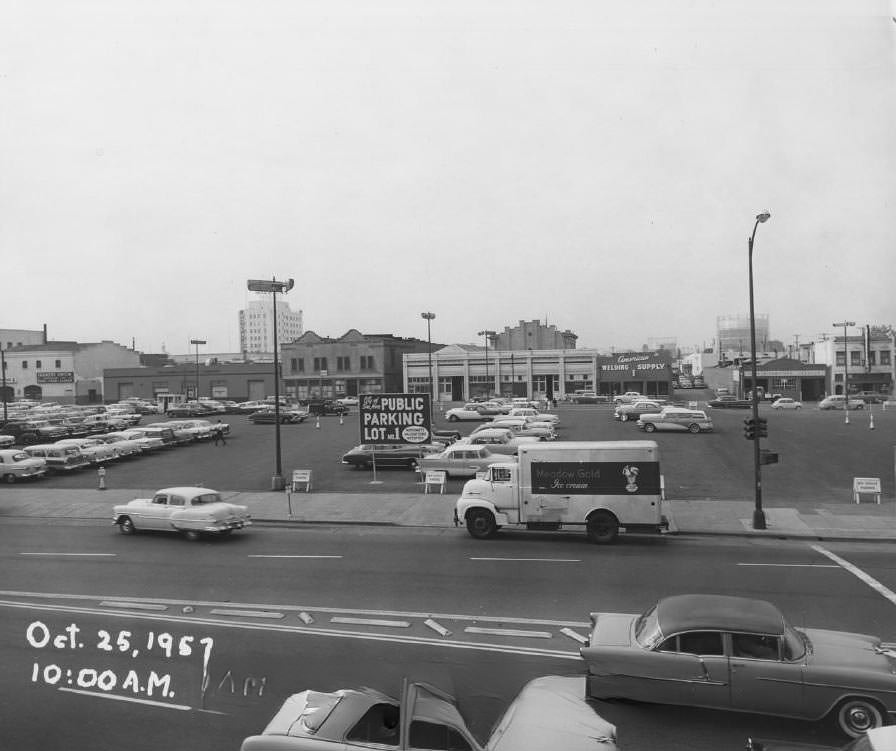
(817, 521)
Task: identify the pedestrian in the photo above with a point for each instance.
(219, 433)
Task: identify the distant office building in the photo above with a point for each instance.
(733, 333)
(257, 325)
(533, 335)
(668, 343)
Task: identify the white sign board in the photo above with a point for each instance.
(869, 485)
(434, 477)
(301, 477)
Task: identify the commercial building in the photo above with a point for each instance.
(256, 324)
(805, 382)
(870, 358)
(10, 338)
(463, 371)
(533, 335)
(354, 363)
(62, 371)
(226, 380)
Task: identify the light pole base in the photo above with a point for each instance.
(277, 482)
(758, 519)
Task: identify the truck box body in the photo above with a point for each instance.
(597, 486)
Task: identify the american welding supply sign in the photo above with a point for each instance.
(395, 418)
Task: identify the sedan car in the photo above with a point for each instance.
(676, 419)
(95, 450)
(741, 654)
(549, 713)
(785, 402)
(461, 460)
(389, 455)
(17, 465)
(838, 401)
(626, 412)
(269, 416)
(6, 441)
(498, 440)
(191, 510)
(729, 401)
(470, 411)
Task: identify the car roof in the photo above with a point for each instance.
(186, 490)
(718, 612)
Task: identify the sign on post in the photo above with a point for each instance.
(435, 477)
(867, 485)
(301, 477)
(394, 418)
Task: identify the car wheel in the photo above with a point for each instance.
(481, 524)
(623, 417)
(798, 406)
(856, 716)
(603, 527)
(649, 427)
(453, 418)
(126, 526)
(192, 535)
(694, 428)
(10, 479)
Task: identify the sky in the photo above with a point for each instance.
(595, 164)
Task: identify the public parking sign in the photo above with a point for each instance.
(395, 418)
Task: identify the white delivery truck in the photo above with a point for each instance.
(601, 487)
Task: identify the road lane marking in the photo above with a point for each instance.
(135, 605)
(246, 613)
(857, 572)
(537, 560)
(507, 632)
(134, 699)
(108, 555)
(306, 608)
(793, 565)
(302, 630)
(369, 622)
(294, 556)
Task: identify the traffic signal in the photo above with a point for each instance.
(750, 429)
(762, 428)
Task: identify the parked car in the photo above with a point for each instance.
(498, 440)
(534, 415)
(521, 427)
(59, 458)
(190, 409)
(123, 446)
(326, 407)
(389, 455)
(838, 401)
(17, 465)
(461, 460)
(740, 654)
(95, 450)
(626, 412)
(549, 713)
(251, 406)
(729, 401)
(445, 436)
(785, 402)
(869, 397)
(587, 397)
(269, 416)
(192, 510)
(148, 440)
(162, 433)
(876, 739)
(676, 418)
(34, 431)
(470, 411)
(6, 440)
(348, 401)
(627, 398)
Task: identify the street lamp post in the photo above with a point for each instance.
(273, 286)
(428, 317)
(845, 324)
(197, 342)
(487, 333)
(3, 377)
(758, 513)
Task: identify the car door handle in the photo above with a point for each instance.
(738, 664)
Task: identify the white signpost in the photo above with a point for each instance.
(866, 485)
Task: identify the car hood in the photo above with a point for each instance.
(551, 713)
(842, 648)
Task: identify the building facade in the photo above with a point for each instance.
(533, 335)
(235, 381)
(65, 372)
(314, 366)
(256, 324)
(805, 382)
(10, 338)
(463, 372)
(867, 359)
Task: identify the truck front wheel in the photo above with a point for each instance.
(603, 527)
(481, 524)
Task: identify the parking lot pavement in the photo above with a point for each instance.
(826, 521)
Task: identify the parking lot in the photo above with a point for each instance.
(819, 454)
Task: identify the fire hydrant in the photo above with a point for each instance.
(101, 474)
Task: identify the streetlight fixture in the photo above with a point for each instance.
(845, 324)
(197, 342)
(273, 286)
(758, 513)
(429, 317)
(487, 333)
(3, 382)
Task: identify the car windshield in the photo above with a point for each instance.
(795, 644)
(647, 629)
(204, 498)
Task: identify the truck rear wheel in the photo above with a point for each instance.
(481, 524)
(603, 528)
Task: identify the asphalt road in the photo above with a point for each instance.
(819, 453)
(74, 573)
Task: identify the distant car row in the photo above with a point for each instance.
(72, 454)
